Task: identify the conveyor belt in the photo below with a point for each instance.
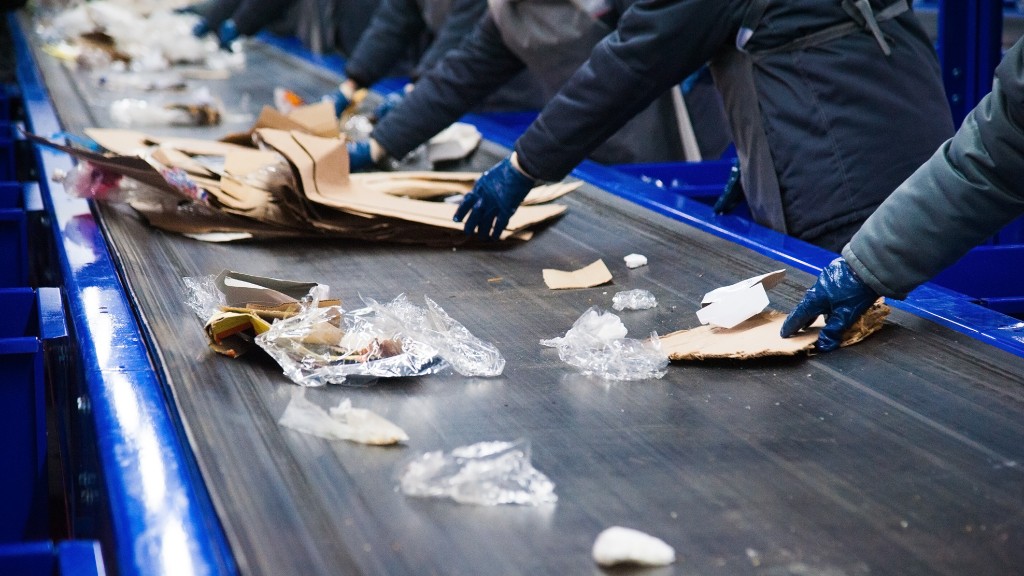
(898, 456)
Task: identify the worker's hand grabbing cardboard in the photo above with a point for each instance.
(495, 197)
(838, 294)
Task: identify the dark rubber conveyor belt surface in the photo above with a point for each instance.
(897, 456)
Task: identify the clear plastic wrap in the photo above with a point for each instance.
(633, 300)
(486, 473)
(597, 344)
(466, 353)
(199, 108)
(343, 422)
(203, 296)
(92, 182)
(324, 345)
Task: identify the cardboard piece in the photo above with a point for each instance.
(758, 337)
(589, 276)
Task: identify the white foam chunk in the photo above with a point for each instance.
(734, 307)
(343, 423)
(635, 260)
(618, 545)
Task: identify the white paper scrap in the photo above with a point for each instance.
(618, 545)
(635, 260)
(734, 307)
(769, 281)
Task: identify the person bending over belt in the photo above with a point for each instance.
(550, 38)
(831, 105)
(963, 194)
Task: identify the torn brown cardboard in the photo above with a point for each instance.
(758, 337)
(727, 306)
(589, 276)
(318, 119)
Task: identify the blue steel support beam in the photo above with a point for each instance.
(970, 47)
(162, 520)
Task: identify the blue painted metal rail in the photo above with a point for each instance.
(161, 521)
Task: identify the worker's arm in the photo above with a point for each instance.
(462, 18)
(657, 43)
(966, 192)
(396, 26)
(460, 81)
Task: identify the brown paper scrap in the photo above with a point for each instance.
(593, 275)
(759, 337)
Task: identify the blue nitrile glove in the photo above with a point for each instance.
(391, 101)
(227, 33)
(838, 294)
(340, 101)
(202, 28)
(359, 157)
(494, 199)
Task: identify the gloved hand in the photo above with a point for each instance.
(340, 102)
(226, 34)
(494, 199)
(202, 28)
(360, 158)
(391, 101)
(838, 294)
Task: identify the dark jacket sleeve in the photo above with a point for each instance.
(460, 81)
(216, 12)
(966, 192)
(251, 16)
(458, 25)
(396, 25)
(656, 44)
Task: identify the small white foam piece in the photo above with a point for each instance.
(343, 423)
(769, 281)
(618, 545)
(635, 260)
(734, 307)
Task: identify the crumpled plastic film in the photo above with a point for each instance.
(202, 296)
(486, 473)
(320, 346)
(343, 422)
(467, 354)
(597, 344)
(634, 300)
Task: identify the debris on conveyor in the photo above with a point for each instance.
(297, 185)
(589, 276)
(635, 260)
(196, 109)
(638, 299)
(316, 342)
(758, 337)
(485, 474)
(343, 422)
(727, 306)
(104, 35)
(597, 344)
(619, 545)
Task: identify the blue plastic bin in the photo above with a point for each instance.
(701, 181)
(71, 558)
(14, 267)
(29, 318)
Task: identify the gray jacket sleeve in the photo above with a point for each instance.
(966, 192)
(458, 25)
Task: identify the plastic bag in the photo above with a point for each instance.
(487, 474)
(467, 354)
(197, 109)
(203, 296)
(633, 300)
(597, 344)
(92, 182)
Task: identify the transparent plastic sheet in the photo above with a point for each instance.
(597, 344)
(202, 296)
(343, 422)
(633, 300)
(92, 182)
(486, 474)
(467, 354)
(361, 352)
